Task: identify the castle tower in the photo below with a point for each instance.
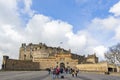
(5, 58)
(92, 58)
(22, 52)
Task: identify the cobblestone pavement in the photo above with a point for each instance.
(43, 75)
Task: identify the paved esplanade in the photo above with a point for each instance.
(43, 75)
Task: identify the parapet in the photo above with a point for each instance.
(23, 44)
(5, 57)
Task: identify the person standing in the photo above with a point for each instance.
(53, 73)
(49, 71)
(57, 72)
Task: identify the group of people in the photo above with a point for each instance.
(60, 72)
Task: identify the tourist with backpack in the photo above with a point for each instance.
(57, 72)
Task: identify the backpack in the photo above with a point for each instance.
(57, 71)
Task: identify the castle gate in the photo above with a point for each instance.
(62, 65)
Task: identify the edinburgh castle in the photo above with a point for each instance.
(40, 56)
(31, 51)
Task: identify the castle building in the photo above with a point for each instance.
(54, 55)
(27, 52)
(40, 56)
(32, 51)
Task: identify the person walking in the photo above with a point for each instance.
(76, 72)
(73, 72)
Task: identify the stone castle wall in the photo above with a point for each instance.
(39, 63)
(28, 51)
(40, 56)
(99, 67)
(12, 64)
(56, 61)
(92, 59)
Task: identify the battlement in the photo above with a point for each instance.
(41, 50)
(27, 52)
(92, 55)
(42, 46)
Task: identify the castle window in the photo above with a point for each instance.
(24, 57)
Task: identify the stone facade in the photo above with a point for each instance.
(41, 56)
(99, 67)
(12, 64)
(57, 60)
(92, 59)
(27, 52)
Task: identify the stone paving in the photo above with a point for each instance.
(43, 75)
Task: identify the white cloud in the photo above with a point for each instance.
(77, 40)
(108, 23)
(100, 50)
(1, 57)
(9, 31)
(8, 12)
(109, 27)
(27, 8)
(44, 29)
(115, 9)
(117, 35)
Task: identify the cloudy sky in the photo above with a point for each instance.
(84, 26)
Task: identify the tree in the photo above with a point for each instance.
(113, 54)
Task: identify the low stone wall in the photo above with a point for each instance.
(100, 67)
(93, 72)
(115, 73)
(12, 64)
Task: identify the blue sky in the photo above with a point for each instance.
(84, 26)
(76, 12)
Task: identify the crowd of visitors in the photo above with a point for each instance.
(60, 72)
